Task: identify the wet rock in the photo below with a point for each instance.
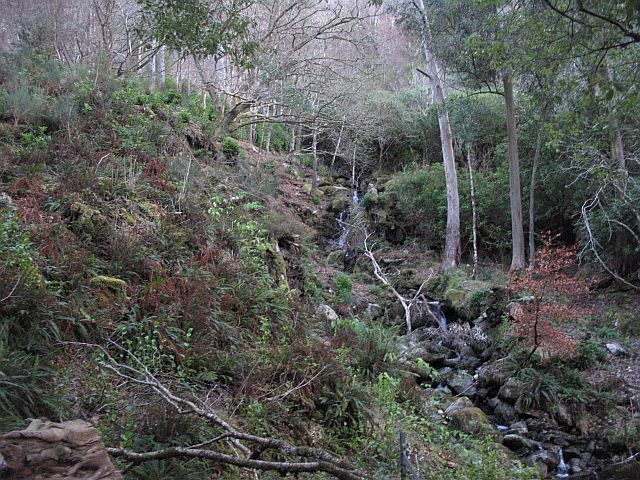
(518, 443)
(576, 465)
(69, 450)
(560, 438)
(505, 414)
(511, 390)
(495, 373)
(616, 349)
(459, 404)
(542, 422)
(327, 313)
(482, 393)
(518, 428)
(547, 457)
(468, 359)
(462, 382)
(571, 452)
(469, 420)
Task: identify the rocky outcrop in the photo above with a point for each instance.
(48, 450)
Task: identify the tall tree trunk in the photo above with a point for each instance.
(515, 195)
(269, 129)
(298, 139)
(335, 152)
(252, 126)
(617, 145)
(474, 229)
(314, 149)
(532, 190)
(452, 240)
(161, 71)
(152, 68)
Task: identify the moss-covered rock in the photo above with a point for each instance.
(470, 420)
(88, 221)
(335, 257)
(468, 297)
(114, 285)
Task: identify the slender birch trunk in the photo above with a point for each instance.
(314, 149)
(474, 229)
(532, 190)
(335, 151)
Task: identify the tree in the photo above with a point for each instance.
(515, 195)
(452, 241)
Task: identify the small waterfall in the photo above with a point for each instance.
(341, 242)
(563, 470)
(343, 221)
(436, 312)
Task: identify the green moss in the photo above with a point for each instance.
(87, 220)
(114, 285)
(468, 297)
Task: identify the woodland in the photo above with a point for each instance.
(315, 239)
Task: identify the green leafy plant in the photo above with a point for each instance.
(230, 148)
(343, 286)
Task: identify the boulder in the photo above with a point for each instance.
(462, 382)
(519, 443)
(114, 285)
(88, 221)
(327, 313)
(511, 390)
(65, 451)
(470, 420)
(577, 465)
(547, 457)
(436, 360)
(518, 428)
(335, 257)
(495, 373)
(468, 297)
(459, 404)
(505, 414)
(616, 349)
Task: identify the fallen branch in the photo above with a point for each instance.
(316, 459)
(407, 303)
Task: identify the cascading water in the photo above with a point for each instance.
(563, 470)
(344, 230)
(436, 312)
(343, 221)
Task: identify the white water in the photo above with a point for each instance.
(343, 221)
(563, 470)
(438, 315)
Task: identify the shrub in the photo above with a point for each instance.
(23, 103)
(230, 148)
(587, 354)
(343, 286)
